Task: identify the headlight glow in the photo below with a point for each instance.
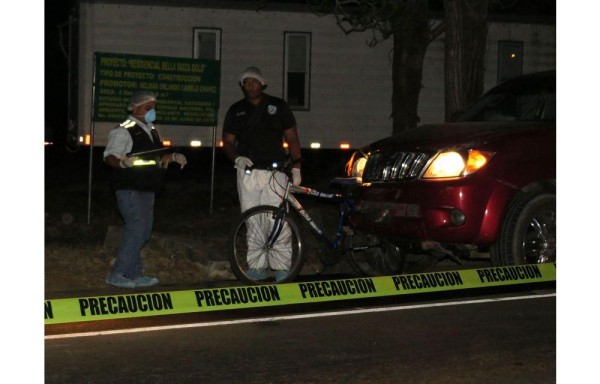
(359, 167)
(453, 164)
(356, 165)
(445, 164)
(477, 160)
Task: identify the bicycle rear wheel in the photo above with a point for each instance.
(255, 261)
(382, 259)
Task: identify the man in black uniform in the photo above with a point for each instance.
(253, 135)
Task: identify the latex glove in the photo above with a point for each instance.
(180, 159)
(128, 161)
(164, 161)
(296, 176)
(242, 162)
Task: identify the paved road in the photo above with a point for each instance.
(471, 339)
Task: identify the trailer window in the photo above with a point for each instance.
(207, 44)
(297, 70)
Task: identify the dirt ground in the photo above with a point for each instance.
(78, 255)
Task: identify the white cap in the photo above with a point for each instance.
(139, 98)
(254, 73)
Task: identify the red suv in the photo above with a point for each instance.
(484, 184)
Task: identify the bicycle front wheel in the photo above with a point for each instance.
(266, 250)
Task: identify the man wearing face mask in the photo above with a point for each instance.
(135, 181)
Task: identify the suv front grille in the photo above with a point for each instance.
(394, 166)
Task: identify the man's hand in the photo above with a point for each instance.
(242, 162)
(296, 176)
(180, 159)
(128, 161)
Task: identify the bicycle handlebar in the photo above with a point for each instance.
(346, 183)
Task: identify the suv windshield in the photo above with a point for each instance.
(527, 101)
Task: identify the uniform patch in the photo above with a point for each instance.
(272, 109)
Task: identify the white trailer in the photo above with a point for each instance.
(340, 89)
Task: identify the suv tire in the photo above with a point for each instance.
(528, 233)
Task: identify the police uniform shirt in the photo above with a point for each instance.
(259, 129)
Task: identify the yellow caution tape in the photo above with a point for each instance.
(111, 307)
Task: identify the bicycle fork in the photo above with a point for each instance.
(279, 217)
(277, 225)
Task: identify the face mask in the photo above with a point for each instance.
(150, 116)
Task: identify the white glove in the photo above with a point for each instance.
(180, 159)
(242, 162)
(296, 176)
(128, 161)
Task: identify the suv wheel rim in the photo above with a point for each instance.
(539, 243)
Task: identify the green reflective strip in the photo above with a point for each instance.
(96, 308)
(144, 162)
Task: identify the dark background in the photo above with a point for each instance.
(56, 17)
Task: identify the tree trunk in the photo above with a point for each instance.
(411, 38)
(466, 32)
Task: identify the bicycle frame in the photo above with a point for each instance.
(270, 241)
(290, 200)
(345, 205)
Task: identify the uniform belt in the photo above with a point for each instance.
(265, 165)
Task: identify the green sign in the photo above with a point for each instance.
(187, 89)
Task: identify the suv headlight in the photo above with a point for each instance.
(455, 164)
(356, 165)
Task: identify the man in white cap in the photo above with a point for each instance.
(253, 136)
(135, 181)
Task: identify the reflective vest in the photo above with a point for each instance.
(147, 177)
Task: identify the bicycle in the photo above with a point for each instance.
(267, 245)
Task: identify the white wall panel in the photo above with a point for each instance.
(350, 88)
